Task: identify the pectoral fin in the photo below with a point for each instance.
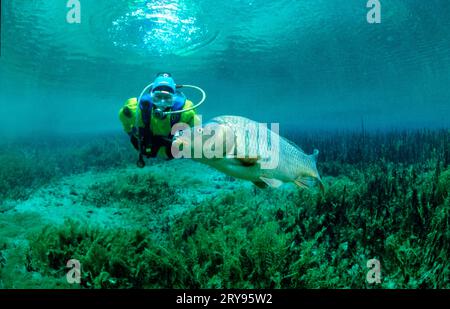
(272, 182)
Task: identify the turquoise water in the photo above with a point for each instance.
(301, 63)
(373, 98)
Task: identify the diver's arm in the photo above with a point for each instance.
(127, 116)
(190, 117)
(193, 119)
(125, 120)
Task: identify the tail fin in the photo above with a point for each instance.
(318, 180)
(315, 155)
(321, 186)
(309, 182)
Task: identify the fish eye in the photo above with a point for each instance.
(178, 134)
(200, 130)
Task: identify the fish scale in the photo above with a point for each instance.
(253, 150)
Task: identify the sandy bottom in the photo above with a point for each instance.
(69, 198)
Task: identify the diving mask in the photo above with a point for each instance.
(162, 99)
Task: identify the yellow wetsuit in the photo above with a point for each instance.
(158, 127)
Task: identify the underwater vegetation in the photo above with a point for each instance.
(386, 198)
(28, 164)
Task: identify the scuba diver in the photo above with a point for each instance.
(148, 120)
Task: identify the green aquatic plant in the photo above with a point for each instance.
(241, 240)
(29, 164)
(389, 202)
(130, 190)
(21, 173)
(109, 259)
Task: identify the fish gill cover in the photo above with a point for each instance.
(372, 95)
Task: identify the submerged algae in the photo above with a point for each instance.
(244, 237)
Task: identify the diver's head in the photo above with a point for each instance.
(162, 94)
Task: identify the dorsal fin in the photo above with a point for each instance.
(315, 155)
(292, 144)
